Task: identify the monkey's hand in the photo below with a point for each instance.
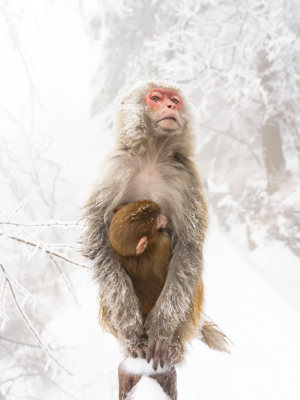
(161, 342)
(165, 351)
(139, 348)
(158, 351)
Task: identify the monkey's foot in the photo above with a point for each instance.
(142, 244)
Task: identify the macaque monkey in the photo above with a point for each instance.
(142, 248)
(153, 161)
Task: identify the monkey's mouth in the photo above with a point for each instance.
(168, 117)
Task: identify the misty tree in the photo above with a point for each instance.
(239, 62)
(34, 257)
(37, 250)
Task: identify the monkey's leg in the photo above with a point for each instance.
(189, 328)
(172, 349)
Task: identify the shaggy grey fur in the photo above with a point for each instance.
(176, 188)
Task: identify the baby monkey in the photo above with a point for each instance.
(143, 248)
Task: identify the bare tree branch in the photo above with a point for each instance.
(41, 224)
(46, 251)
(67, 281)
(19, 343)
(31, 327)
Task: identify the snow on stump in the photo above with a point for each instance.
(138, 380)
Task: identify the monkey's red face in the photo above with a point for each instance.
(165, 107)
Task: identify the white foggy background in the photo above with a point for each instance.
(63, 63)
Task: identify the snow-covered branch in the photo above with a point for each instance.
(38, 246)
(65, 224)
(29, 324)
(17, 237)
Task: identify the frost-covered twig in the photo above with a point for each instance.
(19, 343)
(17, 210)
(45, 248)
(3, 314)
(21, 288)
(20, 48)
(41, 224)
(30, 325)
(66, 280)
(19, 376)
(69, 246)
(55, 254)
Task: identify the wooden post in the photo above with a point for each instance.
(132, 370)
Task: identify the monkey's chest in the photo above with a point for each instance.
(147, 183)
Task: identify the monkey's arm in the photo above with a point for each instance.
(188, 224)
(117, 296)
(174, 304)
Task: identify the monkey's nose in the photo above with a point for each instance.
(169, 103)
(172, 106)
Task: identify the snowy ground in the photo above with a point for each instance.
(264, 329)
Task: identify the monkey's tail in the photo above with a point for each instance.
(213, 337)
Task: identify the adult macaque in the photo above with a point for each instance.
(153, 161)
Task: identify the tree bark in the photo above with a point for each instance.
(127, 380)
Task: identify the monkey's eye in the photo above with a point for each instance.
(155, 98)
(175, 101)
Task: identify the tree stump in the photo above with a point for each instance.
(132, 370)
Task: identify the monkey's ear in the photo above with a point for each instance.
(142, 244)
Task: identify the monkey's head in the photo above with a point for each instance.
(164, 108)
(154, 109)
(130, 223)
